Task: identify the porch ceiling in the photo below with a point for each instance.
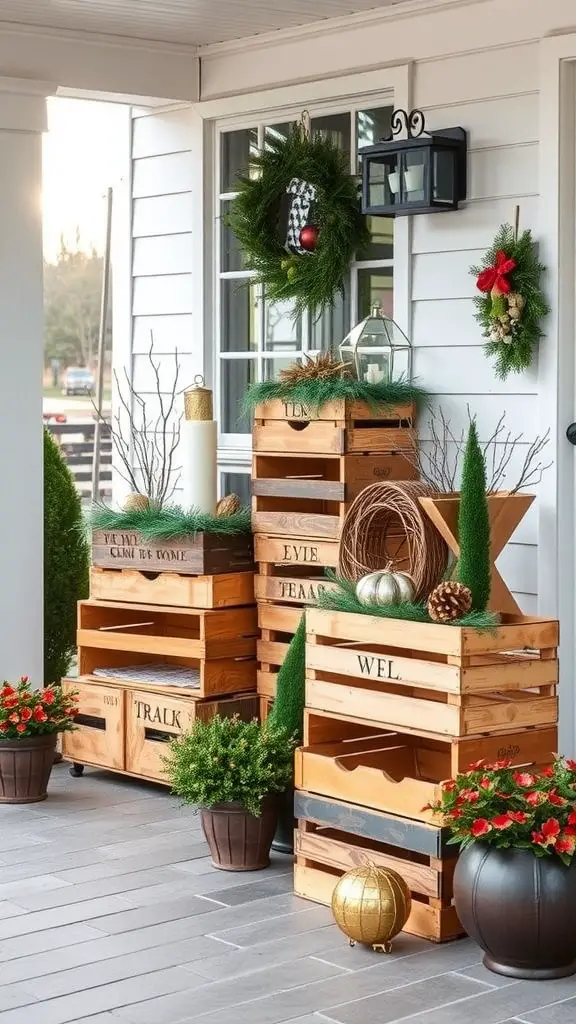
(192, 22)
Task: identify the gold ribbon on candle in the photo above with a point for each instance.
(198, 401)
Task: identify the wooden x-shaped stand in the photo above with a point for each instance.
(505, 511)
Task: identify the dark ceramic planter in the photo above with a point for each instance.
(238, 840)
(25, 767)
(283, 841)
(520, 909)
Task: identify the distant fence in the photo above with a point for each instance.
(77, 443)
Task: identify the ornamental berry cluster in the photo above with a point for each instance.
(510, 807)
(25, 712)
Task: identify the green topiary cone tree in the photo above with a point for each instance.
(288, 709)
(66, 562)
(474, 566)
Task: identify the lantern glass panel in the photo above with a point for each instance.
(384, 180)
(444, 176)
(414, 183)
(373, 346)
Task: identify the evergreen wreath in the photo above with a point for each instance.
(298, 219)
(512, 303)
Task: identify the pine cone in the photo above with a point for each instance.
(228, 505)
(449, 601)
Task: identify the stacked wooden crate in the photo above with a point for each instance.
(393, 708)
(159, 648)
(307, 467)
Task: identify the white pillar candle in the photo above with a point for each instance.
(199, 464)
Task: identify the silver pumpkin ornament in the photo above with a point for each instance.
(385, 588)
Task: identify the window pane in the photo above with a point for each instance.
(381, 244)
(276, 131)
(271, 367)
(236, 483)
(231, 255)
(335, 127)
(375, 286)
(238, 316)
(236, 152)
(333, 324)
(371, 126)
(282, 333)
(235, 376)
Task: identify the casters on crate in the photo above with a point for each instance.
(76, 770)
(382, 947)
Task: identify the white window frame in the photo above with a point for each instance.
(386, 86)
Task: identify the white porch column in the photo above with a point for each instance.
(22, 121)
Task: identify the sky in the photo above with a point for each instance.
(84, 152)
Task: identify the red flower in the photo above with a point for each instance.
(24, 679)
(26, 696)
(502, 821)
(569, 830)
(572, 818)
(539, 839)
(524, 779)
(25, 714)
(480, 827)
(548, 773)
(456, 813)
(39, 715)
(486, 782)
(7, 691)
(14, 718)
(534, 798)
(48, 697)
(520, 817)
(558, 801)
(10, 702)
(449, 785)
(497, 766)
(571, 764)
(476, 765)
(565, 844)
(4, 726)
(469, 796)
(550, 831)
(494, 279)
(21, 727)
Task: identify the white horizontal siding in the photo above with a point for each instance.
(505, 171)
(500, 73)
(163, 254)
(456, 370)
(483, 120)
(471, 226)
(172, 293)
(180, 366)
(153, 174)
(171, 332)
(163, 215)
(166, 132)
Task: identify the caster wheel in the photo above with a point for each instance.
(76, 770)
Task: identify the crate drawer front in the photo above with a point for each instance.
(340, 410)
(296, 551)
(311, 436)
(297, 524)
(227, 590)
(300, 590)
(99, 738)
(201, 555)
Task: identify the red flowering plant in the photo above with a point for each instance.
(25, 712)
(513, 807)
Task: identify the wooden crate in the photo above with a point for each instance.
(440, 756)
(332, 837)
(296, 552)
(126, 728)
(99, 738)
(225, 590)
(277, 627)
(337, 428)
(308, 495)
(221, 644)
(203, 555)
(394, 772)
(433, 679)
(265, 704)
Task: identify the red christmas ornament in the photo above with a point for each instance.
(494, 279)
(309, 237)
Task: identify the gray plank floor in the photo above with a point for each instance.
(110, 913)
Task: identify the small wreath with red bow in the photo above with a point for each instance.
(512, 304)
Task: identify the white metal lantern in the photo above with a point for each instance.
(377, 349)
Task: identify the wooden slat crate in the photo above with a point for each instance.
(433, 679)
(334, 836)
(296, 552)
(308, 495)
(221, 644)
(203, 555)
(277, 627)
(438, 757)
(126, 728)
(338, 427)
(226, 590)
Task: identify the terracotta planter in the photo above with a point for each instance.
(239, 841)
(25, 767)
(520, 909)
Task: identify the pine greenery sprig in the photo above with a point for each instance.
(474, 569)
(311, 280)
(516, 356)
(342, 598)
(315, 393)
(167, 523)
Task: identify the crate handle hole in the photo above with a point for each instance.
(150, 575)
(157, 736)
(298, 424)
(91, 721)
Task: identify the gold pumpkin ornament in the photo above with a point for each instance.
(385, 587)
(371, 905)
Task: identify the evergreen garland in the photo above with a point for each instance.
(167, 523)
(315, 393)
(514, 354)
(474, 568)
(288, 709)
(312, 279)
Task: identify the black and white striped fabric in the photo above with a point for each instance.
(299, 215)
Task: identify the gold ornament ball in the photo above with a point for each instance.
(371, 905)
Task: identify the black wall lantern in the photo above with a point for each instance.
(425, 172)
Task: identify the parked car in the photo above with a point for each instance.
(79, 380)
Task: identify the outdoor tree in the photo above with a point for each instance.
(72, 289)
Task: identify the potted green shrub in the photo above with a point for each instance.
(515, 880)
(235, 772)
(30, 721)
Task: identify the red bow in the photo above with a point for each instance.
(494, 279)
